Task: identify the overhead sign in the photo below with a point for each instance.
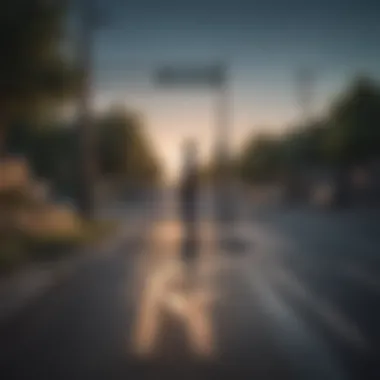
(175, 76)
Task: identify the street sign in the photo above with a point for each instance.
(190, 75)
(210, 76)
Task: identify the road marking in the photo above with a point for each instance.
(262, 258)
(363, 276)
(334, 318)
(309, 355)
(191, 306)
(167, 289)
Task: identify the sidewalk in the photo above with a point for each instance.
(21, 288)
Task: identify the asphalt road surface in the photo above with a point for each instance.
(280, 296)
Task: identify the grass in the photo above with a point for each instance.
(16, 199)
(12, 253)
(49, 246)
(18, 249)
(96, 231)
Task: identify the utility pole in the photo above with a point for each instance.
(305, 81)
(215, 77)
(222, 121)
(304, 94)
(85, 127)
(224, 206)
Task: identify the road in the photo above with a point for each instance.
(283, 295)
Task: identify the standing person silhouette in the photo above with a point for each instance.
(188, 199)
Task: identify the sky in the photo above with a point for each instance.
(264, 45)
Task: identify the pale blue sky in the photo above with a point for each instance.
(265, 43)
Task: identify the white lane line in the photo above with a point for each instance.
(330, 315)
(163, 273)
(361, 275)
(309, 355)
(163, 293)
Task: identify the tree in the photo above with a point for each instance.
(51, 153)
(261, 159)
(34, 73)
(354, 135)
(125, 152)
(286, 159)
(349, 135)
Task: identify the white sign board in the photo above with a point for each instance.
(176, 76)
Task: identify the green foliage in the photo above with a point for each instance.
(11, 254)
(125, 151)
(51, 152)
(304, 145)
(16, 199)
(355, 118)
(49, 246)
(18, 247)
(349, 134)
(261, 159)
(35, 75)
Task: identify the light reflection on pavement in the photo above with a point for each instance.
(260, 270)
(170, 287)
(273, 299)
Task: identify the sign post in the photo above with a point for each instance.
(213, 76)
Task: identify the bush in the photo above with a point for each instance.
(17, 247)
(52, 246)
(12, 252)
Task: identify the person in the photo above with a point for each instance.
(188, 198)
